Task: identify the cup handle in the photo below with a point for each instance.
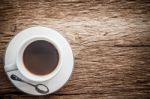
(10, 67)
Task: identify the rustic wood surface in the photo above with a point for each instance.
(110, 40)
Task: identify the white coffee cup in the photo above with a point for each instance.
(21, 67)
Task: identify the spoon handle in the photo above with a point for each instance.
(14, 77)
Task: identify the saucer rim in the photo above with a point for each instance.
(73, 56)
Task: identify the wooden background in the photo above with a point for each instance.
(110, 40)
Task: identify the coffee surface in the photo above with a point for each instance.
(40, 57)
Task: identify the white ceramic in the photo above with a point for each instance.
(19, 59)
(14, 64)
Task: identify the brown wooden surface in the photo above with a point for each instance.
(110, 40)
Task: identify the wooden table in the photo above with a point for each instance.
(110, 41)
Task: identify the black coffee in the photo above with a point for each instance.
(40, 57)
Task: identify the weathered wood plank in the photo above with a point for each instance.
(112, 22)
(109, 71)
(80, 96)
(110, 40)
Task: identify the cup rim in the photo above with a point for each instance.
(24, 71)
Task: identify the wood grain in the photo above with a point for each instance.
(110, 40)
(81, 96)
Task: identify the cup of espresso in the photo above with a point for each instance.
(38, 58)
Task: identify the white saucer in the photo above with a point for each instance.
(54, 83)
